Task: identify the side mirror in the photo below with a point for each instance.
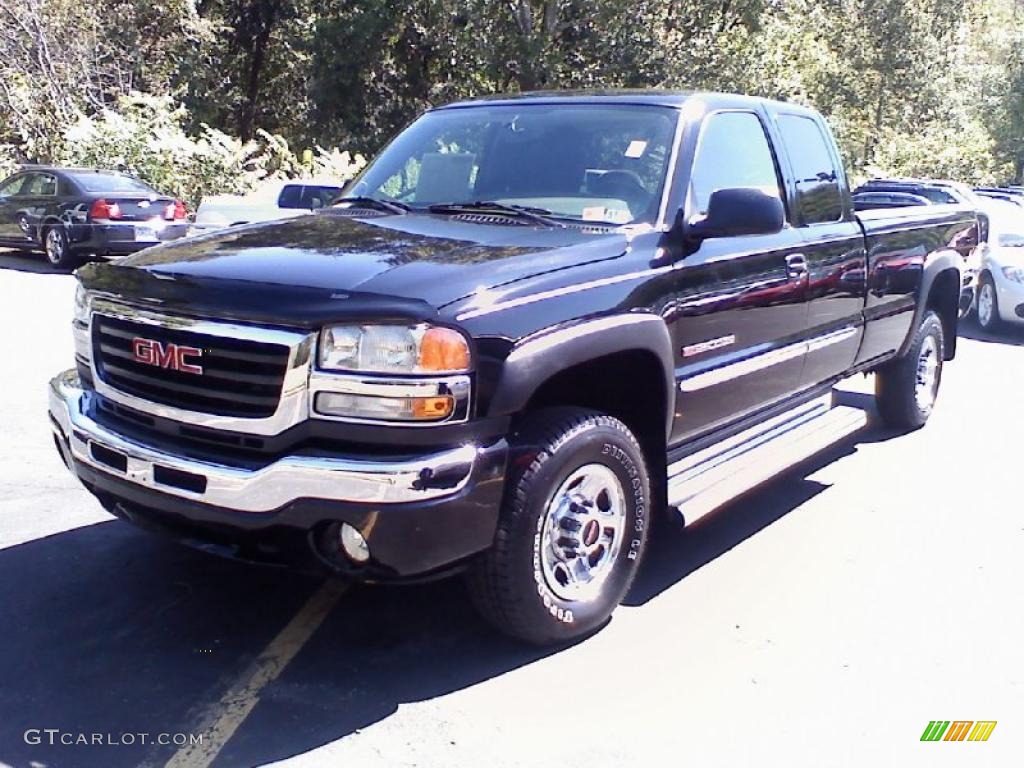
(736, 212)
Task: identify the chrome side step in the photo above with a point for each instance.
(702, 482)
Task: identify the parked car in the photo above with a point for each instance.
(508, 357)
(1001, 281)
(279, 199)
(866, 201)
(939, 191)
(1006, 194)
(68, 213)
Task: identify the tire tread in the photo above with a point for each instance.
(489, 580)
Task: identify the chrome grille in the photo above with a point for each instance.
(239, 377)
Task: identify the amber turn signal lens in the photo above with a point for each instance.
(432, 407)
(443, 350)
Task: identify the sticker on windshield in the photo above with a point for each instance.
(603, 213)
(636, 148)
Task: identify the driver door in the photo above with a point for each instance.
(739, 311)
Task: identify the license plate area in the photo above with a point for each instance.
(145, 472)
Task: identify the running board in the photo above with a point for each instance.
(704, 481)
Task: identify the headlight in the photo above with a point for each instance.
(1014, 273)
(393, 349)
(81, 304)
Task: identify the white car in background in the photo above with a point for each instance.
(1001, 282)
(280, 199)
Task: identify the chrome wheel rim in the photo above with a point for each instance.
(582, 533)
(986, 304)
(54, 246)
(927, 380)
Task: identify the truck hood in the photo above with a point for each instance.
(328, 266)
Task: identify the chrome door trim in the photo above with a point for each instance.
(833, 337)
(764, 360)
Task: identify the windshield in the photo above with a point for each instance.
(590, 163)
(112, 183)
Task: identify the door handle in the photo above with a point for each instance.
(796, 266)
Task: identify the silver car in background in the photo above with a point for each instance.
(1001, 283)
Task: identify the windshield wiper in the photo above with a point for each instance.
(360, 201)
(525, 212)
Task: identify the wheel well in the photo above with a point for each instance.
(944, 300)
(628, 385)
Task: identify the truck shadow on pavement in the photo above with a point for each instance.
(676, 552)
(1011, 336)
(24, 261)
(110, 630)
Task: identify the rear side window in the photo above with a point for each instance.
(40, 185)
(291, 197)
(817, 178)
(937, 195)
(733, 151)
(12, 186)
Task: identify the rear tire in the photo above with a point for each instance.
(906, 388)
(571, 531)
(58, 249)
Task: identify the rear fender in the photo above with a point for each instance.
(937, 264)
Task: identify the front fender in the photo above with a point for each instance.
(540, 356)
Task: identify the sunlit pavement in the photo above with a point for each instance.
(883, 589)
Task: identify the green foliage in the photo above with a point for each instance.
(145, 135)
(911, 86)
(965, 152)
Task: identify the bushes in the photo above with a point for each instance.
(942, 150)
(146, 137)
(8, 160)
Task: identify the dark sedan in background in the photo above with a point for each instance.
(71, 213)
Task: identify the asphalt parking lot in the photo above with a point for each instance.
(884, 588)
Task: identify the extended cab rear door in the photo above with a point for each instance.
(834, 248)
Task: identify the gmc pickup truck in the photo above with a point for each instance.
(531, 327)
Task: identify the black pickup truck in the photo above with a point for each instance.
(529, 328)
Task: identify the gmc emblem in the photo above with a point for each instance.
(171, 356)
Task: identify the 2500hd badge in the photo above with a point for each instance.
(564, 317)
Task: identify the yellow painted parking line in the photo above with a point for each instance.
(224, 718)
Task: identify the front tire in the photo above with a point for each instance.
(988, 306)
(58, 249)
(572, 528)
(906, 388)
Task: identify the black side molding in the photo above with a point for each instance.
(538, 357)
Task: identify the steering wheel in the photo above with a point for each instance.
(624, 185)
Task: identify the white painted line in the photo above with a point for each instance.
(224, 718)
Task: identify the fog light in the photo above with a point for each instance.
(385, 408)
(353, 544)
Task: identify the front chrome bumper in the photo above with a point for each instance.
(330, 478)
